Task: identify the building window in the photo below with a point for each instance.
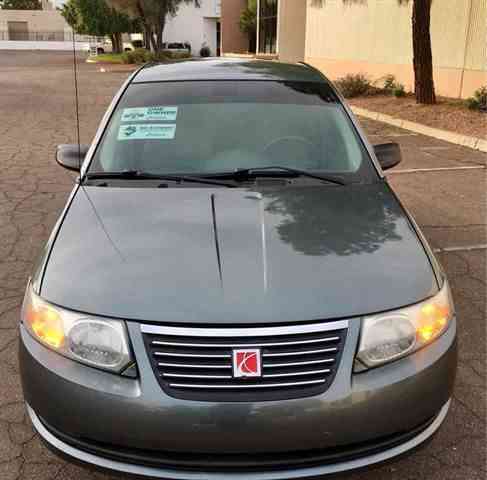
(18, 30)
(268, 26)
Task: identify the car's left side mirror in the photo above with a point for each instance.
(71, 156)
(388, 154)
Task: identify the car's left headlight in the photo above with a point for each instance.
(389, 336)
(94, 341)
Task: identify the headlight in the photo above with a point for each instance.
(389, 336)
(90, 340)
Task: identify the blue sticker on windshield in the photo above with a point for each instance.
(154, 113)
(155, 131)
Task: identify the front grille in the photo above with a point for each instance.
(196, 363)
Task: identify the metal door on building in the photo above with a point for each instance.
(18, 30)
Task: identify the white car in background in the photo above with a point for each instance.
(104, 45)
(176, 47)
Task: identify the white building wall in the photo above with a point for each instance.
(197, 26)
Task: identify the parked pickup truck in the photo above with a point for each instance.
(105, 46)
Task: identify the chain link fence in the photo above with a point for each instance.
(41, 36)
(45, 36)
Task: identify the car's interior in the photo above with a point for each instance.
(222, 137)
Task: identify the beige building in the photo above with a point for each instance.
(374, 37)
(33, 25)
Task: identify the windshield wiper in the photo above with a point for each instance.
(138, 175)
(244, 173)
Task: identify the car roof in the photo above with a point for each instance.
(228, 69)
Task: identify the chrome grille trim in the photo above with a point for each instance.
(294, 364)
(181, 375)
(189, 355)
(262, 385)
(296, 374)
(306, 352)
(196, 363)
(243, 332)
(243, 345)
(185, 365)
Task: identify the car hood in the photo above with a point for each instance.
(295, 253)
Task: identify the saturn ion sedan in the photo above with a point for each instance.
(233, 290)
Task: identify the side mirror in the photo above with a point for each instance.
(388, 154)
(71, 156)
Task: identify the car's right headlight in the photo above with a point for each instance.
(389, 336)
(96, 341)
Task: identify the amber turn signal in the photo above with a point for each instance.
(432, 321)
(46, 324)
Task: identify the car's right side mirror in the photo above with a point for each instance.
(388, 154)
(71, 156)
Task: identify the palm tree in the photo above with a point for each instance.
(424, 86)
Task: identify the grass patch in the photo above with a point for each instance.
(115, 58)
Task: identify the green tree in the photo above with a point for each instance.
(20, 4)
(95, 17)
(153, 14)
(424, 86)
(70, 13)
(138, 9)
(248, 23)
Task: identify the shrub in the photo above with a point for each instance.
(157, 57)
(137, 56)
(140, 56)
(472, 103)
(205, 51)
(393, 87)
(354, 85)
(479, 100)
(138, 43)
(399, 90)
(177, 55)
(389, 83)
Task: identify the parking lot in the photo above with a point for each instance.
(447, 197)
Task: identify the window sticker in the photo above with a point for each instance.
(155, 131)
(144, 114)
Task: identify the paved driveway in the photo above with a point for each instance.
(37, 111)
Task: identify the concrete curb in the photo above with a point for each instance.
(452, 137)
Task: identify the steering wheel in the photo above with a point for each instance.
(297, 150)
(289, 138)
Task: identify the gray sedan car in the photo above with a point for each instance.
(233, 290)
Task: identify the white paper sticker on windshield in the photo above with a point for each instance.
(147, 132)
(144, 114)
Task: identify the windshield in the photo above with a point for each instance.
(208, 127)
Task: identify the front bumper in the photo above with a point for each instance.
(404, 402)
(105, 462)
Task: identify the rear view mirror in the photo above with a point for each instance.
(71, 156)
(388, 154)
